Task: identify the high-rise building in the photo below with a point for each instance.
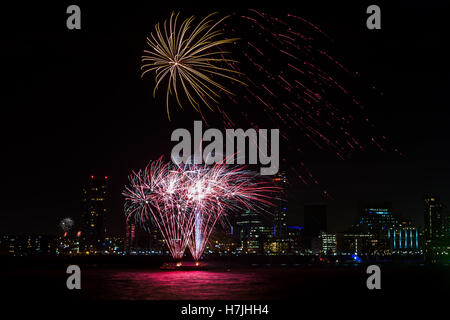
(94, 213)
(280, 237)
(437, 227)
(315, 219)
(436, 219)
(222, 241)
(280, 210)
(376, 220)
(295, 234)
(404, 238)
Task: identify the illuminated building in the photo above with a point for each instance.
(378, 232)
(280, 212)
(356, 243)
(254, 232)
(147, 241)
(155, 241)
(130, 237)
(258, 233)
(4, 245)
(26, 245)
(377, 218)
(295, 234)
(376, 221)
(222, 240)
(94, 212)
(64, 244)
(328, 242)
(116, 245)
(404, 238)
(279, 243)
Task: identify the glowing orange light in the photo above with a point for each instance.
(65, 234)
(197, 264)
(179, 264)
(78, 233)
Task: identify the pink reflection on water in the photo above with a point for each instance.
(165, 285)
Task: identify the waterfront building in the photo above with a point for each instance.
(437, 227)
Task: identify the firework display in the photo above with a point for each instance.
(185, 202)
(192, 57)
(293, 82)
(292, 79)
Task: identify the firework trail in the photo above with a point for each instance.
(296, 85)
(181, 54)
(154, 196)
(185, 202)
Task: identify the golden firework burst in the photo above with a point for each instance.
(191, 57)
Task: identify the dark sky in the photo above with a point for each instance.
(74, 105)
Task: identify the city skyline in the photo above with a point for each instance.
(377, 232)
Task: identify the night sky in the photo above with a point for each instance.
(74, 105)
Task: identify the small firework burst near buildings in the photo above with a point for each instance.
(185, 202)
